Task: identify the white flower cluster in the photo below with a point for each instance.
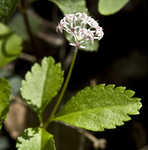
(81, 29)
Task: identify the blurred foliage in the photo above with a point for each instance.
(4, 99)
(10, 45)
(17, 22)
(7, 7)
(14, 80)
(71, 6)
(108, 7)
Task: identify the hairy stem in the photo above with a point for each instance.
(63, 89)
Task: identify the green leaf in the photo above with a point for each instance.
(71, 6)
(42, 84)
(10, 45)
(36, 139)
(108, 7)
(7, 7)
(4, 99)
(99, 107)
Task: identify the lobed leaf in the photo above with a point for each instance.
(7, 7)
(71, 6)
(4, 99)
(36, 139)
(10, 45)
(108, 7)
(42, 84)
(100, 107)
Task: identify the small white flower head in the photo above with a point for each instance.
(81, 29)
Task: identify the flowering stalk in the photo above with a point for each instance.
(63, 89)
(81, 30)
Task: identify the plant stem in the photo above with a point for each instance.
(97, 143)
(28, 57)
(63, 89)
(23, 11)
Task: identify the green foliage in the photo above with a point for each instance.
(4, 99)
(13, 79)
(71, 6)
(17, 22)
(10, 45)
(42, 84)
(36, 139)
(7, 7)
(99, 107)
(108, 7)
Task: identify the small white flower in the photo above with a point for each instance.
(81, 29)
(92, 23)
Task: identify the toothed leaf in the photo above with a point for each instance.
(100, 107)
(36, 139)
(42, 84)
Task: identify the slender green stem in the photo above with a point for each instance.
(63, 89)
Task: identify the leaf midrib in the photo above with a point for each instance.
(93, 109)
(44, 85)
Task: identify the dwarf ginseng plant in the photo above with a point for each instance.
(93, 108)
